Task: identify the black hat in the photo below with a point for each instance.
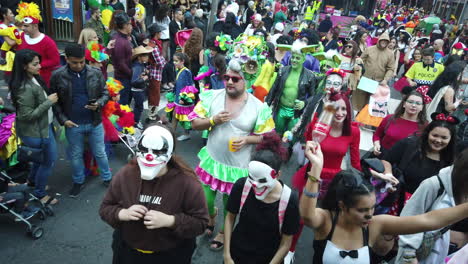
(121, 19)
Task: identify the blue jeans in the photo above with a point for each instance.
(139, 97)
(40, 171)
(76, 137)
(126, 92)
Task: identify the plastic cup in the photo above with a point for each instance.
(231, 141)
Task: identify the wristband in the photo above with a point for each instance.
(212, 122)
(310, 194)
(312, 178)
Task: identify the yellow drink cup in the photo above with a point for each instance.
(231, 140)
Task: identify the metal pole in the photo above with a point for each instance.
(212, 19)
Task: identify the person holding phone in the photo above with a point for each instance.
(82, 94)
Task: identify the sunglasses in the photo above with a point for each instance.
(234, 79)
(349, 46)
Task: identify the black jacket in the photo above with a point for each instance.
(307, 84)
(173, 29)
(60, 83)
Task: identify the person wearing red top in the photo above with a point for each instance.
(344, 135)
(34, 40)
(409, 117)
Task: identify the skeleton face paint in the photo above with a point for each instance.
(154, 151)
(262, 178)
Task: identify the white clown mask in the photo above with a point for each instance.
(263, 179)
(155, 149)
(333, 83)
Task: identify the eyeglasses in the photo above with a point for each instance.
(411, 102)
(334, 84)
(234, 79)
(349, 46)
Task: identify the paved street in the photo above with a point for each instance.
(76, 234)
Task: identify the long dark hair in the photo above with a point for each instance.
(219, 61)
(355, 50)
(400, 110)
(448, 153)
(459, 182)
(358, 36)
(229, 23)
(3, 13)
(161, 12)
(19, 75)
(450, 76)
(271, 151)
(345, 187)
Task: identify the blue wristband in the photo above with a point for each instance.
(310, 194)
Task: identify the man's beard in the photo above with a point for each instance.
(234, 94)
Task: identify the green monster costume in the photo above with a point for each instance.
(291, 91)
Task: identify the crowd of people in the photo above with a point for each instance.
(271, 80)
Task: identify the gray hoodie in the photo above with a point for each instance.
(424, 200)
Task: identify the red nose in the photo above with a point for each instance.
(149, 157)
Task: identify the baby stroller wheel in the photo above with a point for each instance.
(49, 210)
(35, 232)
(42, 214)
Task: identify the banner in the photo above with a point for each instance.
(63, 10)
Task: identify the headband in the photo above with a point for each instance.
(423, 91)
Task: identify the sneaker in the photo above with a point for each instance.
(75, 190)
(289, 259)
(106, 183)
(139, 125)
(183, 137)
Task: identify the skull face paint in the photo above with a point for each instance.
(263, 179)
(154, 151)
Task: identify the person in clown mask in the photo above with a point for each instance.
(155, 204)
(267, 209)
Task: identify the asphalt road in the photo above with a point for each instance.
(76, 234)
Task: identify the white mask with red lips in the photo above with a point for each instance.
(263, 179)
(154, 151)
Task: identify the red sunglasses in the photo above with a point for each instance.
(234, 79)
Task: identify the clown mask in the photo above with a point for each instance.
(263, 179)
(333, 83)
(154, 151)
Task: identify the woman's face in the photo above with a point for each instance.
(341, 111)
(213, 52)
(417, 56)
(329, 35)
(413, 105)
(178, 63)
(439, 138)
(93, 37)
(362, 212)
(392, 44)
(9, 18)
(364, 37)
(33, 67)
(255, 22)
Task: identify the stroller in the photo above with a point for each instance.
(7, 206)
(9, 164)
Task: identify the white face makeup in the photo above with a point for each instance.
(334, 82)
(154, 151)
(263, 179)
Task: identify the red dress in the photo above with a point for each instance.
(333, 149)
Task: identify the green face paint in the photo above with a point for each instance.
(297, 59)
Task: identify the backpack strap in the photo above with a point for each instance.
(283, 204)
(441, 187)
(245, 193)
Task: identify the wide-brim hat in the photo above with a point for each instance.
(140, 50)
